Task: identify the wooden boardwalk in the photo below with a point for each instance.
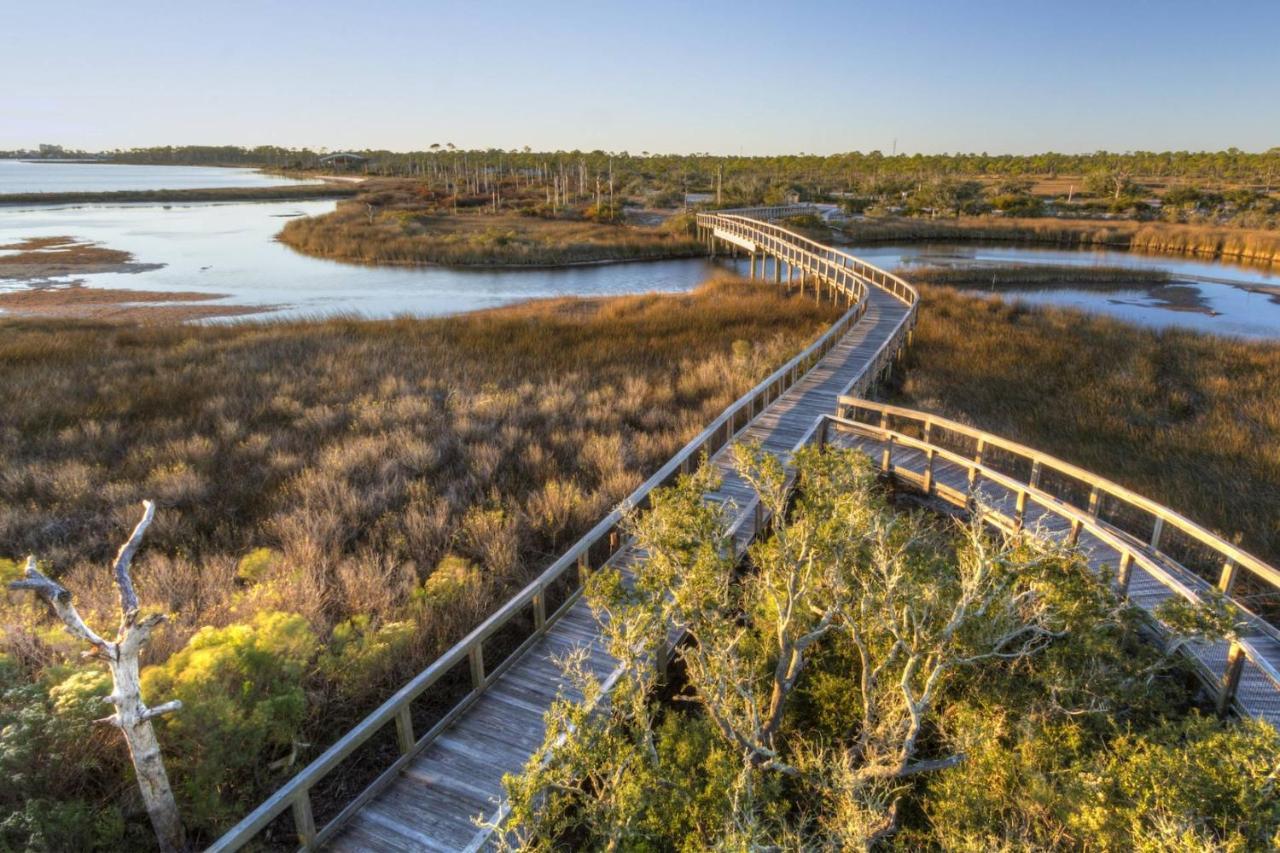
(458, 778)
(1148, 581)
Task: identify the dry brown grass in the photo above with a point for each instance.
(361, 452)
(1191, 420)
(1255, 246)
(418, 235)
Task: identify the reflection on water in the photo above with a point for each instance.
(230, 248)
(1210, 296)
(19, 176)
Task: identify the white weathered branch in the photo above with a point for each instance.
(128, 597)
(160, 710)
(58, 598)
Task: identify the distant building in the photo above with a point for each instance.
(343, 160)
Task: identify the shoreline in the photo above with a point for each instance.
(299, 192)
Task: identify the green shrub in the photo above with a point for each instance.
(362, 655)
(60, 775)
(243, 706)
(450, 580)
(257, 564)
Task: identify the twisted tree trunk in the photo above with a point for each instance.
(132, 716)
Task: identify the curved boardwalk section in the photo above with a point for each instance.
(1153, 553)
(438, 782)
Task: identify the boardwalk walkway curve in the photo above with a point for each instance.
(445, 770)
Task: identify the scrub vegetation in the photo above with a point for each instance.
(1187, 419)
(338, 502)
(877, 677)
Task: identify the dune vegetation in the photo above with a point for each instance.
(404, 222)
(1190, 420)
(874, 677)
(339, 501)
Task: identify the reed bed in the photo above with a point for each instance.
(1190, 420)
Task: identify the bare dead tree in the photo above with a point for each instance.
(131, 716)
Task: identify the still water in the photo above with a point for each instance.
(1209, 296)
(52, 176)
(231, 249)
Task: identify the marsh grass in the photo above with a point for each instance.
(1240, 244)
(1190, 420)
(365, 456)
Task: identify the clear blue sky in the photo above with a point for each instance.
(645, 75)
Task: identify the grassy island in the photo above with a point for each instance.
(405, 223)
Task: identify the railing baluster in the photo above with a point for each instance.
(1156, 531)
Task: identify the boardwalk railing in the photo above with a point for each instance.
(555, 590)
(1188, 559)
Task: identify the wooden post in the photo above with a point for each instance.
(1124, 573)
(1020, 510)
(1094, 499)
(1228, 577)
(404, 729)
(977, 460)
(539, 610)
(886, 463)
(823, 426)
(928, 471)
(475, 656)
(1156, 530)
(1035, 474)
(584, 568)
(1231, 677)
(303, 820)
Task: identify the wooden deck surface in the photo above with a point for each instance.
(435, 802)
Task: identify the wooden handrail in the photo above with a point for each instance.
(1159, 565)
(1162, 515)
(844, 272)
